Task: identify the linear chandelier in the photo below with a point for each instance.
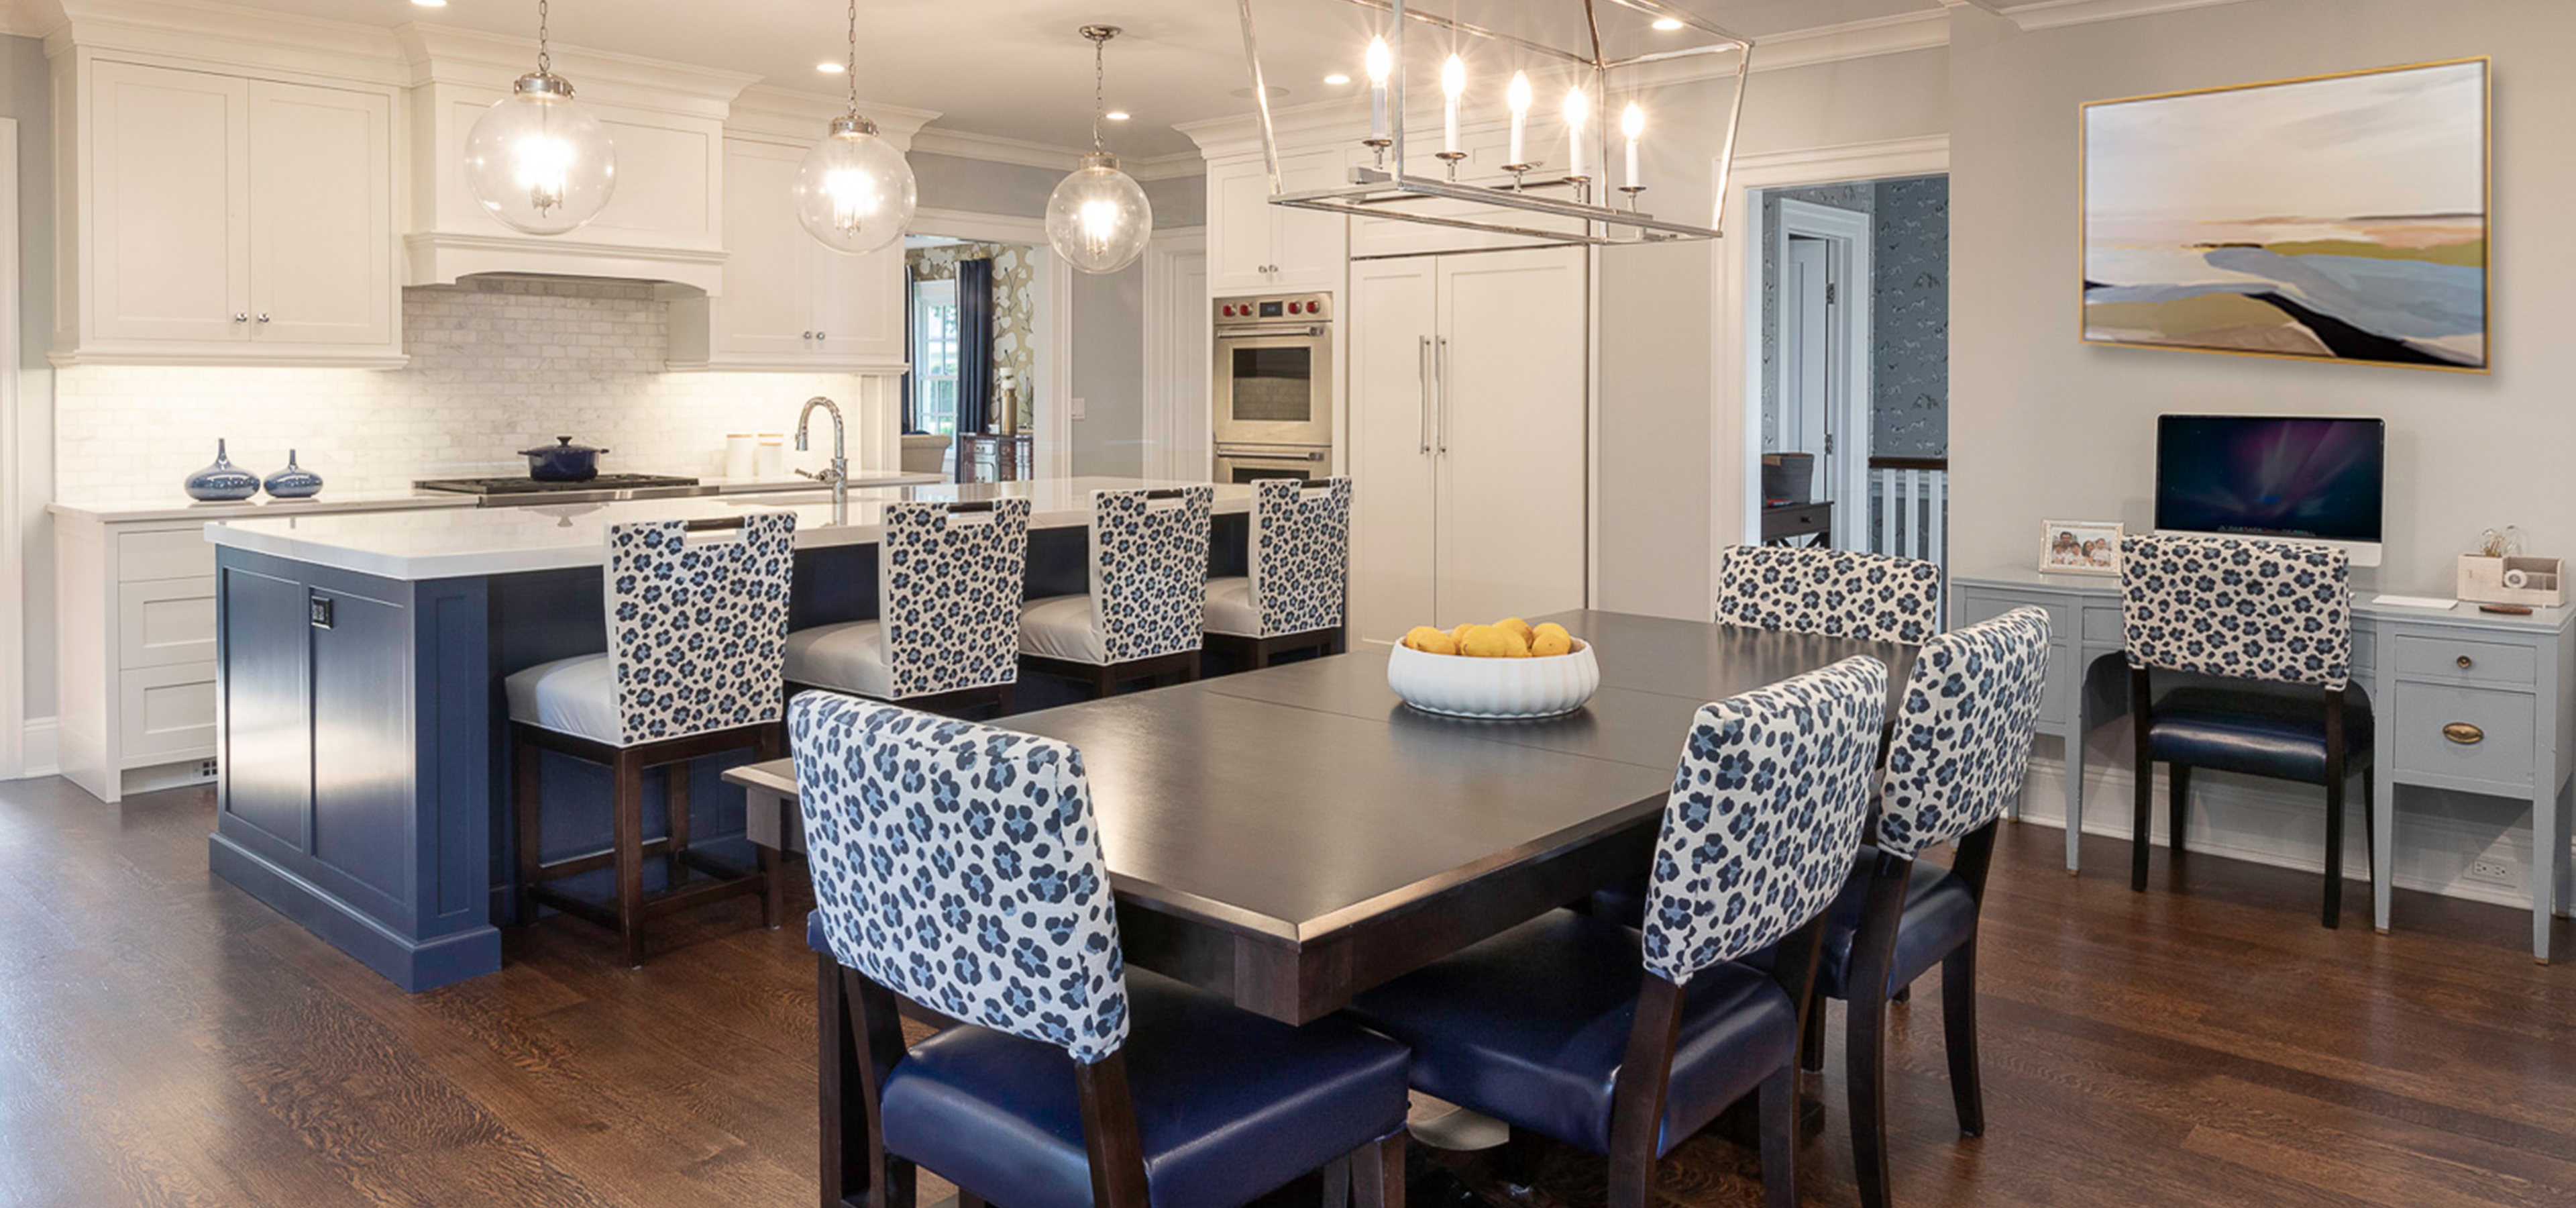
(1559, 190)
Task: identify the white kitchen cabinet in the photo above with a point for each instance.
(788, 302)
(1468, 420)
(1255, 246)
(221, 219)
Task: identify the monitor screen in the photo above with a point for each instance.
(2270, 476)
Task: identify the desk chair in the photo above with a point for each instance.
(1960, 747)
(1836, 593)
(696, 629)
(1146, 613)
(959, 865)
(1300, 572)
(1626, 1043)
(2275, 617)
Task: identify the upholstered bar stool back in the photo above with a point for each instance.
(697, 627)
(1145, 614)
(959, 865)
(1299, 573)
(1836, 593)
(2274, 620)
(946, 636)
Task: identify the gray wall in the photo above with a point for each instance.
(25, 95)
(2465, 451)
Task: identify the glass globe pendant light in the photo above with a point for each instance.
(1098, 217)
(854, 191)
(538, 162)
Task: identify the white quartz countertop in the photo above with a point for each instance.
(459, 543)
(172, 507)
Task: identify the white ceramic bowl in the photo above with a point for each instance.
(1459, 686)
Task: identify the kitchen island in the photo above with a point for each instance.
(363, 784)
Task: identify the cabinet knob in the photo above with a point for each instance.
(241, 317)
(819, 336)
(263, 316)
(2466, 662)
(809, 335)
(2463, 733)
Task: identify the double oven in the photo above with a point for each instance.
(1274, 387)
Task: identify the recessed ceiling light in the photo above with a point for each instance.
(431, 3)
(828, 68)
(1337, 78)
(1117, 115)
(1668, 24)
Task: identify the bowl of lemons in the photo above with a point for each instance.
(1507, 670)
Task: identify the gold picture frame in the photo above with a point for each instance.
(2278, 240)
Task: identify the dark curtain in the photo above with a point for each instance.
(974, 349)
(911, 347)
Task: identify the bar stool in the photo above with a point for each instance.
(946, 636)
(696, 629)
(1145, 615)
(1834, 593)
(1300, 568)
(978, 890)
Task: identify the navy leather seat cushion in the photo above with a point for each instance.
(1940, 914)
(2256, 731)
(1229, 1105)
(1531, 1026)
(814, 932)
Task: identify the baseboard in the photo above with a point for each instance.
(40, 748)
(2439, 834)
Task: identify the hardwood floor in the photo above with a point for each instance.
(164, 1039)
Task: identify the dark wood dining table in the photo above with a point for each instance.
(1292, 836)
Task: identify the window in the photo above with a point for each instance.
(934, 356)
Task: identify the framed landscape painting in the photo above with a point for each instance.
(2338, 218)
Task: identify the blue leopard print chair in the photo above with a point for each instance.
(1550, 1025)
(949, 582)
(1836, 593)
(959, 866)
(1146, 613)
(1299, 572)
(2264, 631)
(1958, 750)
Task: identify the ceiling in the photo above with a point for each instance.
(1015, 68)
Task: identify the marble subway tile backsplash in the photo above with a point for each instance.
(497, 364)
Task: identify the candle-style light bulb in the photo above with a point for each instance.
(1381, 61)
(1518, 97)
(1453, 84)
(1578, 109)
(1632, 123)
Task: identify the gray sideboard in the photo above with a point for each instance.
(2424, 669)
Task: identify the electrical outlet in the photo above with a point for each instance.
(206, 768)
(2494, 872)
(1078, 408)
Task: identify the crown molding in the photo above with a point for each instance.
(2051, 14)
(444, 54)
(30, 18)
(994, 148)
(793, 116)
(228, 34)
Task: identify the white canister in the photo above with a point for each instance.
(738, 457)
(773, 454)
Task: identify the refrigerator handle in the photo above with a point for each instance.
(1440, 373)
(1422, 393)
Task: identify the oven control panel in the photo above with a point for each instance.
(1287, 308)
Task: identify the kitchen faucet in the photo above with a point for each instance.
(837, 475)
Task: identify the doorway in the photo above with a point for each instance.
(1853, 296)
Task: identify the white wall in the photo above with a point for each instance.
(25, 95)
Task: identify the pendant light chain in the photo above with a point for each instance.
(1099, 71)
(545, 61)
(853, 70)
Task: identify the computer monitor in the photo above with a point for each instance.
(2290, 478)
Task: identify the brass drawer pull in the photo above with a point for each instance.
(2464, 733)
(2466, 662)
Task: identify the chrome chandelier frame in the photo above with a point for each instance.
(1382, 192)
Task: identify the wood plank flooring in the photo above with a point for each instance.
(166, 1040)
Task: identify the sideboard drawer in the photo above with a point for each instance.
(165, 554)
(168, 713)
(2105, 625)
(1976, 607)
(2459, 660)
(165, 621)
(2476, 733)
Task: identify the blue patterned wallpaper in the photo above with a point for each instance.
(1910, 310)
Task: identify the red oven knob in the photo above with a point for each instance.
(1228, 311)
(1296, 308)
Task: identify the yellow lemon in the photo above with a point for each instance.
(1430, 641)
(1494, 642)
(1517, 626)
(1552, 639)
(1459, 635)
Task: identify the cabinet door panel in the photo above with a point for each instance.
(362, 751)
(1239, 228)
(768, 303)
(1511, 494)
(1391, 315)
(267, 740)
(321, 215)
(1307, 245)
(169, 240)
(858, 303)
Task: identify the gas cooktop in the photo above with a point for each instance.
(605, 488)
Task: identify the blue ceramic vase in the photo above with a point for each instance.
(222, 480)
(294, 482)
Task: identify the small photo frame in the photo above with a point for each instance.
(2079, 547)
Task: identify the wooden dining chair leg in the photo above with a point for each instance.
(772, 885)
(527, 766)
(1377, 1172)
(968, 1199)
(1337, 1182)
(627, 855)
(675, 810)
(1865, 1079)
(1811, 1040)
(2334, 854)
(858, 1037)
(2178, 813)
(1777, 1105)
(1520, 1158)
(1959, 1035)
(2144, 830)
(2370, 822)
